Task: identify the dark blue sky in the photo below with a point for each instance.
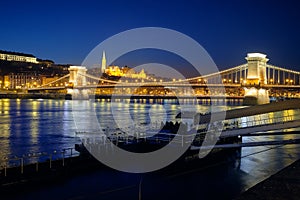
(66, 31)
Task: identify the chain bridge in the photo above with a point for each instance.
(254, 80)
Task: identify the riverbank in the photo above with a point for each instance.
(43, 176)
(33, 176)
(283, 185)
(85, 178)
(32, 96)
(109, 97)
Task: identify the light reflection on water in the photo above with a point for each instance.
(31, 126)
(46, 125)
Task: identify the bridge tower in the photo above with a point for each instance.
(256, 78)
(77, 79)
(77, 75)
(257, 69)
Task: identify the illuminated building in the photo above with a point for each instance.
(125, 72)
(21, 57)
(114, 71)
(121, 72)
(21, 80)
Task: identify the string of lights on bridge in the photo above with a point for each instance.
(230, 77)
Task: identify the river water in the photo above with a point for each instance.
(31, 126)
(43, 126)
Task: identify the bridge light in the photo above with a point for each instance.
(160, 80)
(174, 79)
(287, 80)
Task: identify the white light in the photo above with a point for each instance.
(255, 55)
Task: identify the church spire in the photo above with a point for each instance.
(103, 66)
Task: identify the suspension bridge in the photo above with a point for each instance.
(252, 79)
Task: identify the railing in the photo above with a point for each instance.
(37, 158)
(94, 139)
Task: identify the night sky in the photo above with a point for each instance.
(66, 31)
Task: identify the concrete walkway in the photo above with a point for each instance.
(283, 185)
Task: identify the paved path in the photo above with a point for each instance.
(283, 185)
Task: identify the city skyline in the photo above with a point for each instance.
(66, 32)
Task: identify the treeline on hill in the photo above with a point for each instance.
(46, 67)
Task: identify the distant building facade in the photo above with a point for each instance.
(21, 80)
(125, 72)
(14, 56)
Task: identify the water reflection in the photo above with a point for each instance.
(29, 126)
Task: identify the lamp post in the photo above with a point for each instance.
(5, 166)
(63, 157)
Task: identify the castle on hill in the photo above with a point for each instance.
(127, 72)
